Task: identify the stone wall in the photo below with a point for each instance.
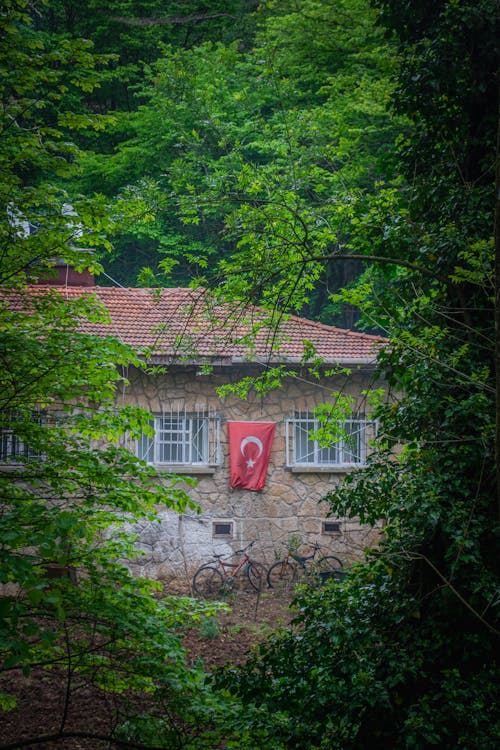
(290, 503)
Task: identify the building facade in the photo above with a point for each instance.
(211, 365)
(191, 438)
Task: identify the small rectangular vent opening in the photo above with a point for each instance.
(222, 528)
(331, 527)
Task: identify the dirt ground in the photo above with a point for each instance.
(227, 638)
(251, 619)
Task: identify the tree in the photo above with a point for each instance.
(272, 145)
(134, 34)
(69, 609)
(403, 653)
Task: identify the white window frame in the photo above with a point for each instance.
(303, 450)
(182, 438)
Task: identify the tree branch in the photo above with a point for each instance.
(448, 584)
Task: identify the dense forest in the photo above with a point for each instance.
(237, 136)
(333, 158)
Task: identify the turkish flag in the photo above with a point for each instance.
(249, 450)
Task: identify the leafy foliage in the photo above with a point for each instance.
(265, 153)
(69, 487)
(271, 163)
(374, 661)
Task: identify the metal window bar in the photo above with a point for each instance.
(303, 450)
(12, 447)
(182, 437)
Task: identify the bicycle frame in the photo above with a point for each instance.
(283, 574)
(218, 574)
(232, 569)
(303, 559)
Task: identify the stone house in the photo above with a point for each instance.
(200, 346)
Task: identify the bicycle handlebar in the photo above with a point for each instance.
(241, 551)
(237, 552)
(313, 546)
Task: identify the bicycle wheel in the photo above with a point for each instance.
(327, 567)
(208, 582)
(281, 576)
(257, 575)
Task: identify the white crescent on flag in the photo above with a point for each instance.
(243, 445)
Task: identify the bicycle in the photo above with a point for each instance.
(284, 573)
(218, 576)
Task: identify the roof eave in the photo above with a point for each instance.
(170, 359)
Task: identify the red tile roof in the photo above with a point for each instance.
(186, 325)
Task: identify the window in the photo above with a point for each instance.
(181, 438)
(331, 527)
(303, 448)
(222, 528)
(13, 449)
